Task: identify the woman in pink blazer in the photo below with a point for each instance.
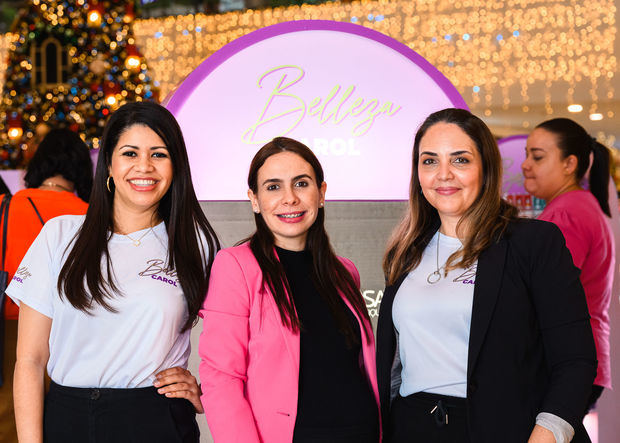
(287, 350)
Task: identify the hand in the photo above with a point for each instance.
(541, 434)
(179, 383)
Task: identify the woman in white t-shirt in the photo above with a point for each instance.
(483, 334)
(107, 300)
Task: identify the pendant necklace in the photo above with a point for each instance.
(435, 276)
(136, 242)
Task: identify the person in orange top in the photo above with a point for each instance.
(60, 169)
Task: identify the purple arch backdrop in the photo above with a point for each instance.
(353, 95)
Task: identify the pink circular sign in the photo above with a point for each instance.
(353, 95)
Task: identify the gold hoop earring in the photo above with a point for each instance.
(107, 183)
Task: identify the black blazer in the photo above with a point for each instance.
(531, 348)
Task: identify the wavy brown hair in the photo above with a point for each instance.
(329, 275)
(489, 213)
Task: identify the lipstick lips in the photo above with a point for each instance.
(143, 184)
(292, 217)
(446, 190)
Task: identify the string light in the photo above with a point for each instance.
(486, 48)
(94, 18)
(15, 133)
(596, 116)
(575, 108)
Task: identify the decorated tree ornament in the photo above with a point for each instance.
(99, 65)
(95, 14)
(134, 58)
(14, 127)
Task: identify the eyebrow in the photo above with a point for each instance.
(434, 154)
(534, 148)
(137, 147)
(278, 180)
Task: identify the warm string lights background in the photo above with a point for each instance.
(516, 58)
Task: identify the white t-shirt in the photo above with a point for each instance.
(106, 349)
(433, 322)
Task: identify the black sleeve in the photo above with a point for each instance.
(562, 313)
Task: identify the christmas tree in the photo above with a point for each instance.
(73, 63)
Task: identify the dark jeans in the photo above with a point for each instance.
(117, 416)
(428, 418)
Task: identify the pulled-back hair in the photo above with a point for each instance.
(489, 213)
(62, 152)
(329, 275)
(81, 279)
(572, 139)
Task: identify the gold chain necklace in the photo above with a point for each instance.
(137, 242)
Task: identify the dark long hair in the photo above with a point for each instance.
(62, 152)
(484, 221)
(179, 209)
(572, 139)
(328, 273)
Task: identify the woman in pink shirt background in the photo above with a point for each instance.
(558, 155)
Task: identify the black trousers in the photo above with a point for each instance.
(427, 418)
(141, 415)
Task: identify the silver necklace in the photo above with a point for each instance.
(136, 242)
(435, 276)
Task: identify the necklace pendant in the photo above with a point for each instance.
(136, 243)
(434, 277)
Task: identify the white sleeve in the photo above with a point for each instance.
(35, 280)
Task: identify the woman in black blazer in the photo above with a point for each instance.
(484, 332)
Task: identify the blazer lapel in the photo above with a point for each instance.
(290, 338)
(488, 284)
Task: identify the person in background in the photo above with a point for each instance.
(107, 300)
(559, 153)
(58, 181)
(483, 332)
(287, 350)
(4, 189)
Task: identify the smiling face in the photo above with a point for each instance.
(545, 173)
(450, 172)
(142, 171)
(288, 198)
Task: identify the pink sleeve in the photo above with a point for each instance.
(223, 350)
(576, 244)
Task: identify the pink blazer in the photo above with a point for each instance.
(249, 365)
